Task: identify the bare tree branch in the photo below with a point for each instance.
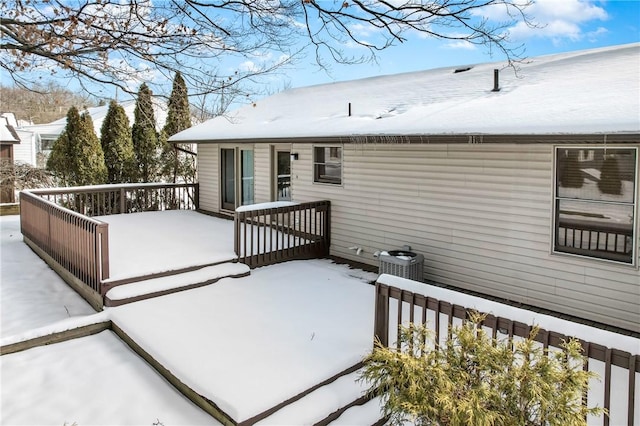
(21, 176)
(114, 43)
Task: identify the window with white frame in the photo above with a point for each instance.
(327, 164)
(595, 204)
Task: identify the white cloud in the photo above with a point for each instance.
(556, 29)
(460, 45)
(498, 12)
(593, 36)
(560, 20)
(572, 10)
(362, 30)
(248, 66)
(133, 76)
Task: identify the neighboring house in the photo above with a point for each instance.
(18, 146)
(9, 139)
(25, 151)
(511, 193)
(47, 134)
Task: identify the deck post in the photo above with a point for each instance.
(327, 228)
(381, 316)
(236, 233)
(103, 232)
(123, 199)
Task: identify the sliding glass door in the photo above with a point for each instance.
(228, 184)
(237, 177)
(246, 175)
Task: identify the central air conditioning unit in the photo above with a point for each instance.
(402, 263)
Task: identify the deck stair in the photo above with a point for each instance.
(368, 412)
(328, 403)
(173, 281)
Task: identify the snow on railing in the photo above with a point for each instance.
(276, 232)
(103, 200)
(56, 223)
(400, 301)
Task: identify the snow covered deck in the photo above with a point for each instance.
(115, 237)
(150, 243)
(157, 253)
(249, 344)
(245, 344)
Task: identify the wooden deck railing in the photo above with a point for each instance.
(76, 242)
(609, 241)
(264, 236)
(395, 306)
(57, 222)
(103, 200)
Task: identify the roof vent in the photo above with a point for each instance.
(457, 70)
(496, 81)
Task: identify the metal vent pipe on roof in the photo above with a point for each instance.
(496, 81)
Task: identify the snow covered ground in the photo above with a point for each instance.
(246, 343)
(95, 380)
(92, 380)
(31, 294)
(258, 340)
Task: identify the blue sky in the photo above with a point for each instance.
(563, 25)
(566, 25)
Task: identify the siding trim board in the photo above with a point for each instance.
(426, 139)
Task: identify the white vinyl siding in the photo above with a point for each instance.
(481, 214)
(263, 172)
(25, 151)
(209, 177)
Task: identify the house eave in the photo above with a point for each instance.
(593, 138)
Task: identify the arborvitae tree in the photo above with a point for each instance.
(76, 157)
(179, 116)
(570, 174)
(176, 162)
(145, 139)
(59, 161)
(610, 182)
(88, 159)
(115, 137)
(473, 379)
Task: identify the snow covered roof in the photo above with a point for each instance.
(9, 118)
(584, 92)
(54, 129)
(7, 131)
